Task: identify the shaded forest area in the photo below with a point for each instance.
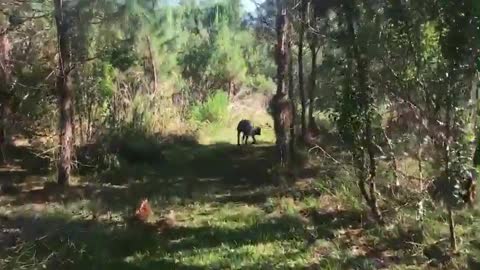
(119, 134)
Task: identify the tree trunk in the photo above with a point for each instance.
(153, 66)
(300, 69)
(5, 93)
(89, 120)
(282, 50)
(366, 103)
(393, 158)
(373, 201)
(475, 98)
(420, 164)
(231, 90)
(65, 97)
(451, 226)
(280, 104)
(82, 134)
(311, 89)
(291, 94)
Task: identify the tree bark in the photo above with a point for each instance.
(372, 201)
(282, 50)
(280, 104)
(366, 103)
(392, 157)
(451, 226)
(5, 93)
(291, 94)
(153, 65)
(300, 69)
(65, 97)
(311, 88)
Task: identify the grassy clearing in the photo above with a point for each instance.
(226, 131)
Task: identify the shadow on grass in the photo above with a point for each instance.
(190, 238)
(23, 161)
(123, 168)
(329, 222)
(221, 173)
(53, 242)
(189, 172)
(61, 243)
(58, 243)
(361, 262)
(186, 172)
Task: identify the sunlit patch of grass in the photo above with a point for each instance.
(225, 215)
(226, 131)
(276, 254)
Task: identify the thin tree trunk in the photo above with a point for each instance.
(89, 121)
(451, 226)
(476, 144)
(366, 102)
(448, 133)
(291, 94)
(311, 88)
(82, 134)
(65, 97)
(373, 201)
(4, 115)
(420, 165)
(393, 158)
(153, 66)
(72, 119)
(300, 69)
(282, 50)
(6, 96)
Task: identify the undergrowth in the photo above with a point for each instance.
(229, 213)
(214, 110)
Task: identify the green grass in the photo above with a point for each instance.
(230, 215)
(226, 131)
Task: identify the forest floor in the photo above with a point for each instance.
(229, 214)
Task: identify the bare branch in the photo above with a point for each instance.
(343, 166)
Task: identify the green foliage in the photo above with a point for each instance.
(430, 42)
(227, 63)
(451, 186)
(122, 57)
(450, 189)
(262, 84)
(214, 110)
(194, 47)
(348, 116)
(106, 86)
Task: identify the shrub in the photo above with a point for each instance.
(262, 84)
(126, 144)
(215, 109)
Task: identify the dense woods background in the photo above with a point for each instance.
(367, 159)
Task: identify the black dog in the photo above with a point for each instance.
(246, 127)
